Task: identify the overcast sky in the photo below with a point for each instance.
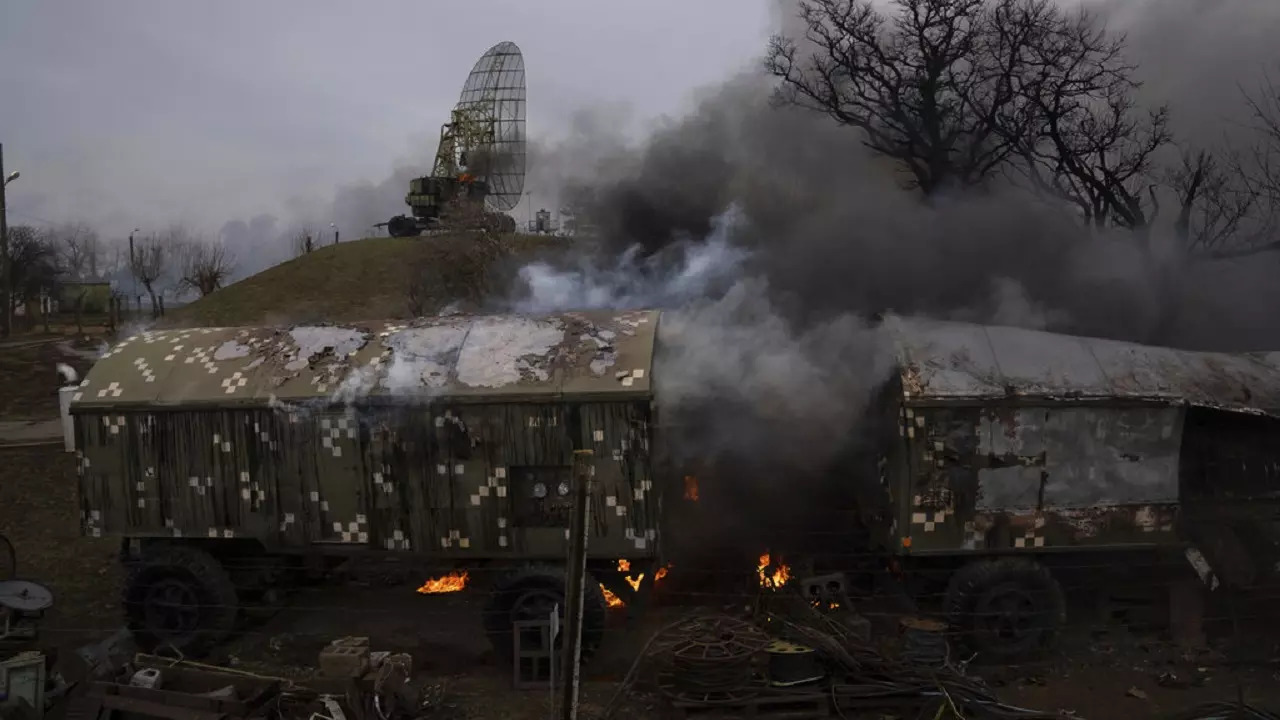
(141, 112)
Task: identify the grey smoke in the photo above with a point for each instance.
(769, 373)
(828, 226)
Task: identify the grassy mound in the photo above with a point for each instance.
(372, 279)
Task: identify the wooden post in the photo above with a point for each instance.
(6, 292)
(574, 595)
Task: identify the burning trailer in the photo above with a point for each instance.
(227, 459)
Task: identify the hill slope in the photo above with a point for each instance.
(371, 279)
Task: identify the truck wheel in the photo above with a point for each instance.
(529, 594)
(1005, 610)
(180, 597)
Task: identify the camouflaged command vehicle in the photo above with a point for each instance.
(225, 458)
(999, 458)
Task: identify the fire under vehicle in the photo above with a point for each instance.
(227, 459)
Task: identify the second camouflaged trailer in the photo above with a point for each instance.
(1009, 457)
(225, 458)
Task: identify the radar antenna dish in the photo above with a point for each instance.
(492, 105)
(482, 150)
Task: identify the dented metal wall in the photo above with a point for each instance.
(455, 480)
(1038, 477)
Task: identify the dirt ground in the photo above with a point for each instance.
(1101, 674)
(29, 379)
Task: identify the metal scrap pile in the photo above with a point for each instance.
(707, 661)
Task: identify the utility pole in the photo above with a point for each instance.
(574, 596)
(7, 292)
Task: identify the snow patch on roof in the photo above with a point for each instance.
(423, 356)
(313, 341)
(503, 350)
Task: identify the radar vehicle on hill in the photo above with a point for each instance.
(480, 162)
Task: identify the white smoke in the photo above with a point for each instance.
(728, 360)
(689, 271)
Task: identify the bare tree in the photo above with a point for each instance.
(1088, 143)
(303, 240)
(1217, 207)
(33, 264)
(206, 265)
(79, 250)
(932, 86)
(151, 257)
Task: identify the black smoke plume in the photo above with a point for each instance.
(766, 370)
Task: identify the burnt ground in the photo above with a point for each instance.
(1100, 672)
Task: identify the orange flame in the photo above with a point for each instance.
(624, 566)
(453, 582)
(610, 599)
(691, 488)
(779, 577)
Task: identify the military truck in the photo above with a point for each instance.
(227, 459)
(998, 458)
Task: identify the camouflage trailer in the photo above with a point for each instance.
(1000, 444)
(1000, 457)
(220, 454)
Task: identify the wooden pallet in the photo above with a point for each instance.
(768, 705)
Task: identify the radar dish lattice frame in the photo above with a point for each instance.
(485, 138)
(482, 152)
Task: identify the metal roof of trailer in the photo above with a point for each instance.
(960, 361)
(459, 357)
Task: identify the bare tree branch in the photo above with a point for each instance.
(303, 240)
(79, 250)
(934, 86)
(33, 264)
(206, 265)
(152, 257)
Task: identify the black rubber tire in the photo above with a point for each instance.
(1027, 585)
(402, 226)
(199, 575)
(551, 581)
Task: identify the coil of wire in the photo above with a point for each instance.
(715, 657)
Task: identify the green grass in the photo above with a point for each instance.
(368, 280)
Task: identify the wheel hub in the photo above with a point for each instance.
(171, 608)
(1007, 614)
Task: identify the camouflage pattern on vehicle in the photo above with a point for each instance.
(995, 452)
(1019, 440)
(450, 435)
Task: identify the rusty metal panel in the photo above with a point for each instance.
(1079, 457)
(960, 361)
(1107, 458)
(1040, 478)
